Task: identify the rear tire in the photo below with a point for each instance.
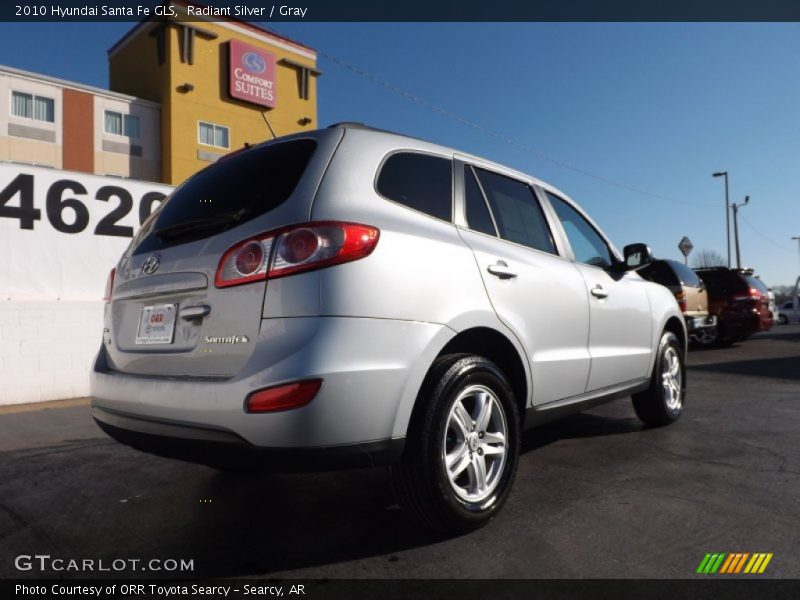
(662, 402)
(462, 448)
(707, 336)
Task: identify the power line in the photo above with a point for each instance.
(770, 240)
(491, 133)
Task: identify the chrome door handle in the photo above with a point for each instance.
(599, 292)
(195, 312)
(500, 269)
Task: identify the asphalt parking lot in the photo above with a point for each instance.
(596, 494)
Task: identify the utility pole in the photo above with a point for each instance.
(727, 216)
(736, 228)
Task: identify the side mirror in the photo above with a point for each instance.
(637, 255)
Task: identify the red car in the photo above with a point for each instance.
(740, 303)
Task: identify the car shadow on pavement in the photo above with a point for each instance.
(114, 502)
(787, 367)
(581, 425)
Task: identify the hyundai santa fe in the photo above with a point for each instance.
(352, 297)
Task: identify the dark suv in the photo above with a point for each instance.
(738, 300)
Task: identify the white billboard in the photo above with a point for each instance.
(61, 232)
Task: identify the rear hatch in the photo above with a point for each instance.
(167, 317)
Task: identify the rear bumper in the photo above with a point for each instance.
(225, 449)
(700, 322)
(371, 371)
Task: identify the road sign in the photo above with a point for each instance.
(686, 246)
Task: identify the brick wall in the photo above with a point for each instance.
(47, 348)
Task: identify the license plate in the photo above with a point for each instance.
(156, 324)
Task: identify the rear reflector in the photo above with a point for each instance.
(283, 397)
(295, 249)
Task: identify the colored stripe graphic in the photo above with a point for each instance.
(734, 562)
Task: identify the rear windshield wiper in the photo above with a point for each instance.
(178, 229)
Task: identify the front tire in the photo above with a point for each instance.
(662, 402)
(462, 448)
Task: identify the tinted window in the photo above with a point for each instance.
(687, 276)
(659, 272)
(587, 245)
(756, 283)
(478, 217)
(419, 181)
(516, 211)
(229, 192)
(722, 281)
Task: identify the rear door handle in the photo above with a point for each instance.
(599, 292)
(501, 269)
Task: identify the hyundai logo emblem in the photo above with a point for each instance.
(150, 265)
(254, 62)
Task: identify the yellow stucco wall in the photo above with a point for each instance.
(134, 70)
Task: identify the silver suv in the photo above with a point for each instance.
(353, 297)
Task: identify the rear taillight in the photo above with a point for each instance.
(109, 286)
(283, 397)
(293, 250)
(752, 294)
(681, 298)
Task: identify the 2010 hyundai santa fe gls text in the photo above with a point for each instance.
(353, 297)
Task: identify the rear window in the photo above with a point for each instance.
(756, 283)
(228, 193)
(419, 181)
(659, 272)
(686, 275)
(723, 281)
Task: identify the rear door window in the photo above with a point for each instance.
(420, 181)
(516, 211)
(232, 191)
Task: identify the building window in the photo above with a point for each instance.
(213, 135)
(29, 106)
(120, 124)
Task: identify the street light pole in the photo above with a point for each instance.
(727, 216)
(798, 241)
(736, 228)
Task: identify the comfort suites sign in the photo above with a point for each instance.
(252, 74)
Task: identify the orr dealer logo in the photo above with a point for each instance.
(734, 563)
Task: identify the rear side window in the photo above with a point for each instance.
(686, 275)
(516, 211)
(229, 192)
(419, 181)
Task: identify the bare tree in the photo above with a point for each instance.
(708, 258)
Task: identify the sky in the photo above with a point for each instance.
(629, 120)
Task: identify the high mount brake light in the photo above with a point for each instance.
(293, 250)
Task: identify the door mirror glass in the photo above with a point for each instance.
(637, 255)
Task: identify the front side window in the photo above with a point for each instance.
(516, 211)
(210, 134)
(420, 181)
(587, 245)
(30, 106)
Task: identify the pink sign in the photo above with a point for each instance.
(252, 74)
